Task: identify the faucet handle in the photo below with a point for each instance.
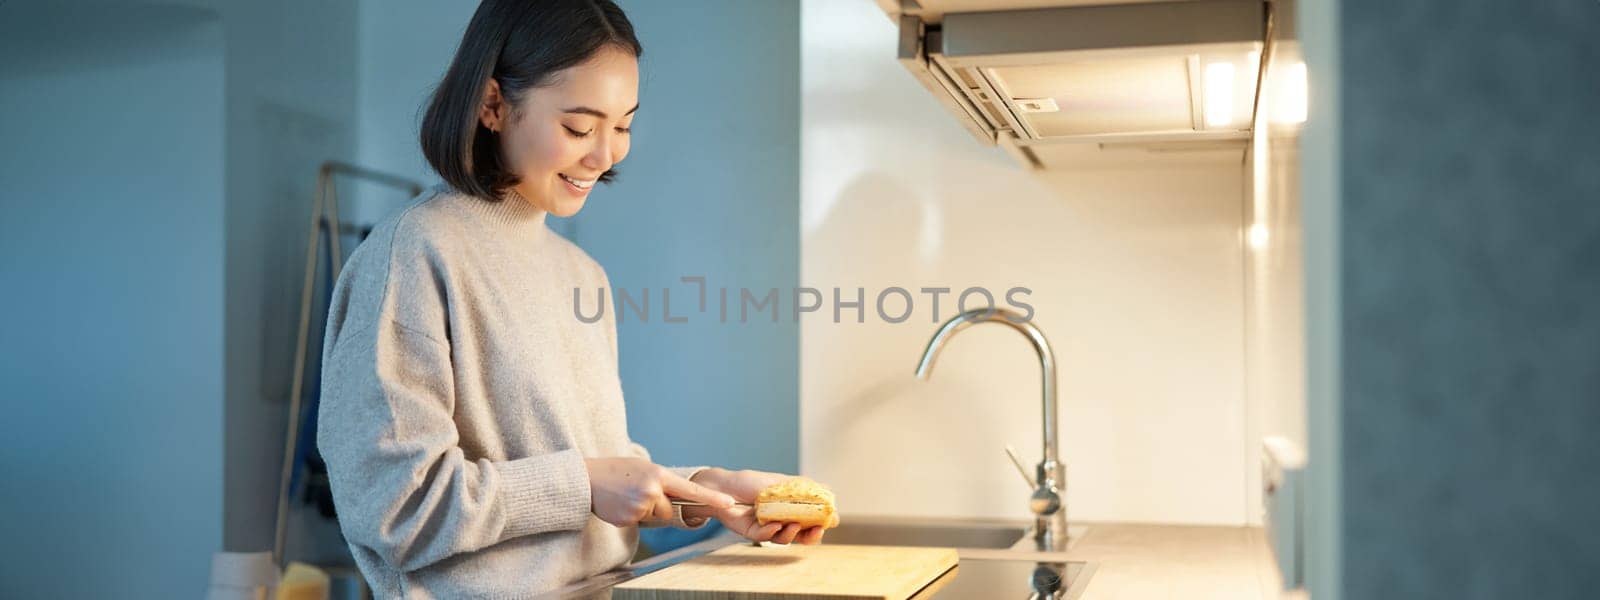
(1017, 462)
(1044, 501)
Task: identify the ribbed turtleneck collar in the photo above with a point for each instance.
(513, 212)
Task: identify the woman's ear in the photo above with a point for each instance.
(493, 111)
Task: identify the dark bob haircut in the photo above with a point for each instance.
(521, 44)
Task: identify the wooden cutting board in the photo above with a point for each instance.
(794, 572)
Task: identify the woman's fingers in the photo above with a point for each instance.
(783, 533)
(757, 532)
(786, 535)
(692, 512)
(810, 536)
(678, 487)
(662, 509)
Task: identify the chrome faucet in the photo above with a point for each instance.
(1048, 502)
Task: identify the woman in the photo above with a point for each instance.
(472, 425)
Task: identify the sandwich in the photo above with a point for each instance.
(797, 500)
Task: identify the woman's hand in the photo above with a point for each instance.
(628, 490)
(744, 486)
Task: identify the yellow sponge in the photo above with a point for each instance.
(303, 582)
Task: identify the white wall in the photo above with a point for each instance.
(1136, 276)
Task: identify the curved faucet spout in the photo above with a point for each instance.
(1047, 360)
(1051, 526)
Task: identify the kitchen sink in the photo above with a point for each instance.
(942, 533)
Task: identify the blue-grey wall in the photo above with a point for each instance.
(285, 89)
(159, 292)
(710, 188)
(111, 258)
(1470, 319)
(291, 105)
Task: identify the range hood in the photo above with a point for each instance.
(1059, 81)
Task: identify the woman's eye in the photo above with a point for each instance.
(576, 133)
(624, 129)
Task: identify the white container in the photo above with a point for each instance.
(242, 576)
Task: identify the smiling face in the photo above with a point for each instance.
(560, 138)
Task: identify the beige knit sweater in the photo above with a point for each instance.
(460, 395)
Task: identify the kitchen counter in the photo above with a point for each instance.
(1177, 561)
(1130, 561)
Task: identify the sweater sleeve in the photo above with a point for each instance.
(401, 484)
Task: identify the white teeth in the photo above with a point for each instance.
(582, 184)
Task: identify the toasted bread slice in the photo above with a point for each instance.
(798, 500)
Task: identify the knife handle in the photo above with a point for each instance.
(690, 511)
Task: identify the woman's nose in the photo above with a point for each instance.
(603, 154)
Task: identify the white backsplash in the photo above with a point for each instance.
(1137, 278)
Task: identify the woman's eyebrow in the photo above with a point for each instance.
(584, 110)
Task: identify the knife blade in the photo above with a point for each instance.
(682, 502)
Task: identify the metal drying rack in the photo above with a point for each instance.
(324, 221)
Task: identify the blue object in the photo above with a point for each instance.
(666, 539)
